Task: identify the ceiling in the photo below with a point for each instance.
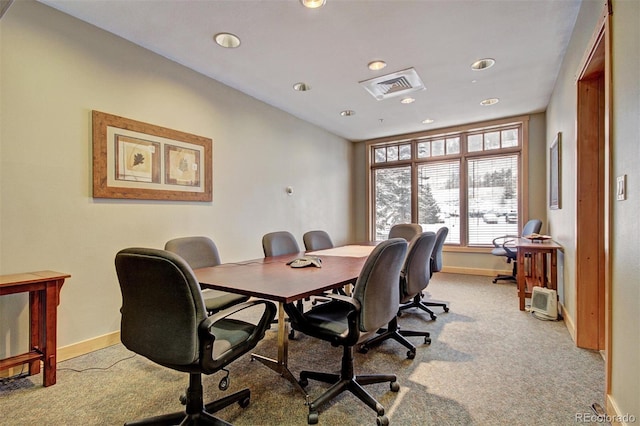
(283, 43)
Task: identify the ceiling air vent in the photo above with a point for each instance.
(396, 84)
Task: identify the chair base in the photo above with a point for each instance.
(347, 381)
(418, 303)
(505, 278)
(394, 332)
(196, 413)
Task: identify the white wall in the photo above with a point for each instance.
(625, 154)
(54, 71)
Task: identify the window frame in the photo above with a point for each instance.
(463, 131)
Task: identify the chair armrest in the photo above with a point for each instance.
(344, 299)
(505, 239)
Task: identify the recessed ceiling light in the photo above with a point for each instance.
(347, 113)
(490, 101)
(483, 64)
(407, 100)
(227, 40)
(313, 4)
(376, 65)
(301, 87)
(428, 121)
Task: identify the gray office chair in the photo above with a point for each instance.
(317, 240)
(201, 252)
(501, 248)
(164, 319)
(348, 321)
(408, 231)
(413, 279)
(436, 266)
(280, 243)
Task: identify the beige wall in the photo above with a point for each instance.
(54, 71)
(624, 396)
(463, 262)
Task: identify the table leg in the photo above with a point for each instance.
(36, 336)
(50, 319)
(280, 365)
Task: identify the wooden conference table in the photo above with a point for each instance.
(271, 278)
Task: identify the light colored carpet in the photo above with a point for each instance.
(489, 364)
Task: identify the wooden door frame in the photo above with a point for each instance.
(593, 271)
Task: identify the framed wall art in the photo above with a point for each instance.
(555, 176)
(137, 160)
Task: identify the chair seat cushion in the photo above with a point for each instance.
(498, 251)
(229, 334)
(215, 300)
(329, 319)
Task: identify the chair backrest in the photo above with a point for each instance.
(532, 227)
(279, 243)
(377, 286)
(317, 240)
(162, 306)
(198, 252)
(405, 230)
(415, 273)
(436, 255)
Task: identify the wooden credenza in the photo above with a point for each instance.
(537, 266)
(44, 296)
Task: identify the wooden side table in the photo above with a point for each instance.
(44, 296)
(537, 266)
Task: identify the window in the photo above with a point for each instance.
(467, 180)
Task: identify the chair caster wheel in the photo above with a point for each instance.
(363, 349)
(224, 383)
(446, 309)
(394, 386)
(312, 419)
(411, 354)
(433, 317)
(494, 281)
(244, 402)
(380, 408)
(303, 383)
(382, 421)
(292, 335)
(427, 340)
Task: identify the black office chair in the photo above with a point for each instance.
(164, 319)
(408, 231)
(317, 240)
(201, 252)
(414, 278)
(501, 248)
(348, 321)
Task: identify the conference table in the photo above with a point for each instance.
(272, 279)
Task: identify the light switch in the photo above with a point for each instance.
(621, 188)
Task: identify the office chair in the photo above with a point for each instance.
(280, 243)
(348, 321)
(501, 248)
(201, 252)
(413, 279)
(435, 266)
(317, 240)
(164, 319)
(405, 230)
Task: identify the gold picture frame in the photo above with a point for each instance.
(137, 160)
(555, 176)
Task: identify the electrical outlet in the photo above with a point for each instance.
(621, 188)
